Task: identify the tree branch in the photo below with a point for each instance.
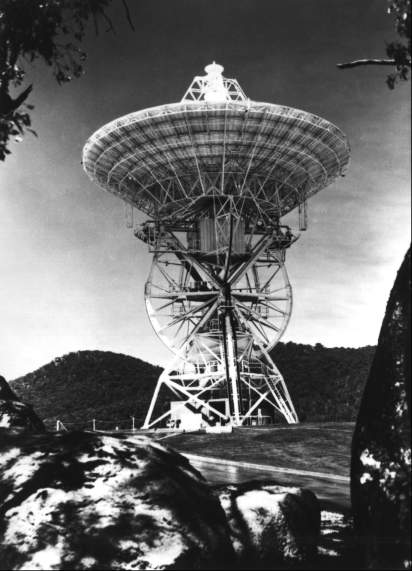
(129, 19)
(360, 62)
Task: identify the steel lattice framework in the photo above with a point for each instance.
(215, 173)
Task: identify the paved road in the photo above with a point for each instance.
(333, 494)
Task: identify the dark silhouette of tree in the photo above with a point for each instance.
(49, 30)
(398, 52)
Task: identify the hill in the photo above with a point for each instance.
(90, 384)
(325, 383)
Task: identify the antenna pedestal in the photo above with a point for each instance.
(219, 300)
(203, 393)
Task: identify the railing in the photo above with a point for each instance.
(258, 420)
(253, 368)
(129, 425)
(193, 287)
(97, 425)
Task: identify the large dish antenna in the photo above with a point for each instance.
(215, 174)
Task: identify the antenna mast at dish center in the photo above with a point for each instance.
(215, 174)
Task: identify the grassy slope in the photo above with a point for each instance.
(313, 447)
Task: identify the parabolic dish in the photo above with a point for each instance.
(168, 160)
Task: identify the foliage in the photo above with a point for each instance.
(81, 386)
(325, 384)
(48, 30)
(399, 53)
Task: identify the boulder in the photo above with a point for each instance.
(381, 454)
(14, 414)
(86, 501)
(270, 524)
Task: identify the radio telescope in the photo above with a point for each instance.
(215, 174)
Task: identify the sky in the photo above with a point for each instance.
(73, 274)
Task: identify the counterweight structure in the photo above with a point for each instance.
(215, 174)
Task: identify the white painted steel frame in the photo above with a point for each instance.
(199, 365)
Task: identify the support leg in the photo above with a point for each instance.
(279, 391)
(153, 403)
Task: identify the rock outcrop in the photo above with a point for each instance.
(381, 455)
(14, 414)
(271, 526)
(86, 501)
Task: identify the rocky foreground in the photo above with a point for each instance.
(82, 501)
(381, 449)
(87, 501)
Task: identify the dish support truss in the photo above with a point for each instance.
(219, 297)
(213, 87)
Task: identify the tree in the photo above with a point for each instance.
(398, 52)
(49, 30)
